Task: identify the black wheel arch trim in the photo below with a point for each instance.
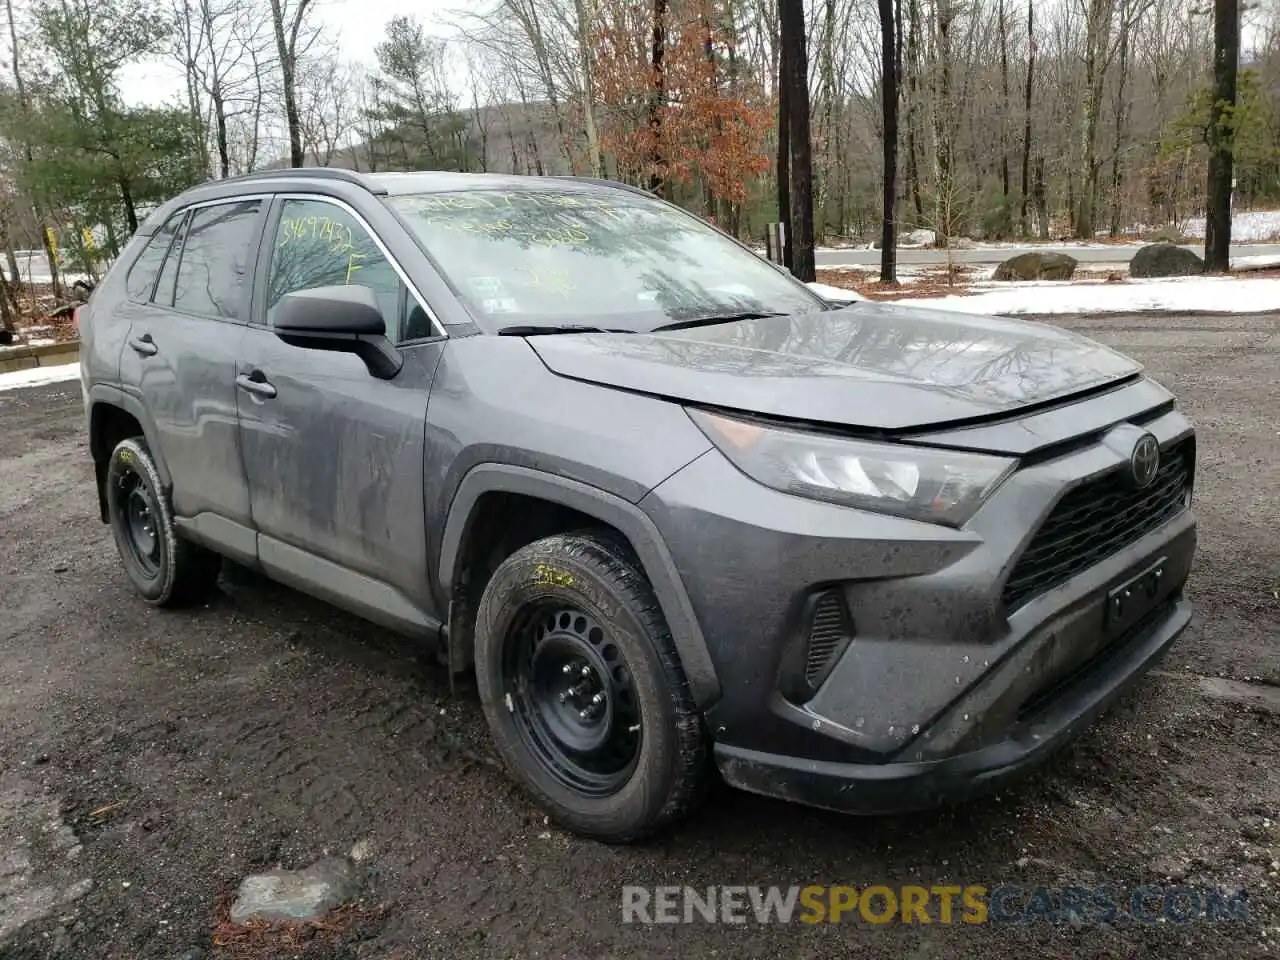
(626, 517)
(104, 395)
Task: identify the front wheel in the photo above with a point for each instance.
(583, 689)
(167, 570)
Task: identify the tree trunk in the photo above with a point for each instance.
(889, 98)
(1041, 199)
(913, 108)
(55, 279)
(220, 135)
(1098, 36)
(796, 58)
(297, 156)
(1226, 58)
(784, 160)
(657, 96)
(1117, 170)
(8, 303)
(130, 211)
(943, 126)
(1026, 114)
(584, 11)
(11, 259)
(831, 151)
(1004, 109)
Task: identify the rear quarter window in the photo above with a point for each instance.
(141, 278)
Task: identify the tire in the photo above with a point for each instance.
(167, 570)
(566, 596)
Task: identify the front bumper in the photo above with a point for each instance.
(869, 788)
(942, 691)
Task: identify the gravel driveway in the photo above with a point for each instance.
(150, 759)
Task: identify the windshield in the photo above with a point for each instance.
(617, 260)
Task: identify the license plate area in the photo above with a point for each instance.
(1132, 600)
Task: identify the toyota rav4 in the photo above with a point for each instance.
(673, 509)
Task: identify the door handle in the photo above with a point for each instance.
(256, 383)
(144, 346)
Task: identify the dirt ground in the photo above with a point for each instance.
(150, 759)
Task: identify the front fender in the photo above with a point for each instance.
(627, 518)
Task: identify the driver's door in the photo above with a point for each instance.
(333, 455)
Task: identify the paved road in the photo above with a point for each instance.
(149, 759)
(1092, 253)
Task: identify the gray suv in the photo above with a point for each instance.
(675, 511)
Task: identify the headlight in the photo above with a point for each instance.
(923, 483)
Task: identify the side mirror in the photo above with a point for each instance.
(345, 318)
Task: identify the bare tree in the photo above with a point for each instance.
(290, 23)
(327, 107)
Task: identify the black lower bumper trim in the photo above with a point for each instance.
(899, 787)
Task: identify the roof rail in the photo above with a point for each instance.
(311, 173)
(605, 182)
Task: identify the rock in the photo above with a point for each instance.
(1165, 260)
(295, 894)
(362, 851)
(919, 238)
(1037, 266)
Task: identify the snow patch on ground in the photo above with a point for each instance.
(1263, 261)
(1246, 227)
(38, 376)
(1181, 295)
(837, 294)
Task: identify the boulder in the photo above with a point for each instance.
(1037, 265)
(1165, 260)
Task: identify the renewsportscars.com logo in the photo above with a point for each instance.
(935, 904)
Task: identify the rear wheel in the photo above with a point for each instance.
(167, 570)
(583, 689)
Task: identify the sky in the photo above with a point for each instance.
(354, 26)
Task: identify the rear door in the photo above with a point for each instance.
(179, 354)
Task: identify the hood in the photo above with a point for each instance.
(869, 365)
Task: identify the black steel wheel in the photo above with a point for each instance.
(136, 502)
(583, 690)
(166, 569)
(572, 697)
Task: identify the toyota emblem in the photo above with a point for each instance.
(1145, 460)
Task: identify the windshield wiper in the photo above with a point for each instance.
(539, 330)
(715, 318)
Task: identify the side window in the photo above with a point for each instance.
(214, 267)
(168, 273)
(319, 244)
(142, 275)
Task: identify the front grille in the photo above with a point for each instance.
(829, 634)
(1097, 520)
